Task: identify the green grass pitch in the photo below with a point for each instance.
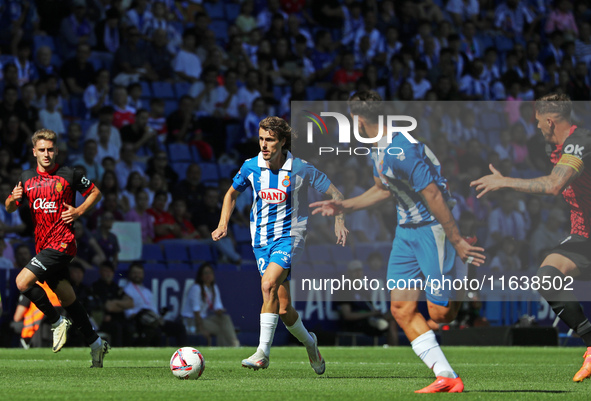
(352, 373)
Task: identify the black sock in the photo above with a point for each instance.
(565, 305)
(38, 296)
(81, 321)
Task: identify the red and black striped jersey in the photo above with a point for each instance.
(46, 193)
(575, 152)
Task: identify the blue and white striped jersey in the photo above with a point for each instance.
(280, 197)
(406, 168)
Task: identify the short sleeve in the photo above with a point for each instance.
(240, 181)
(81, 183)
(576, 150)
(410, 165)
(318, 180)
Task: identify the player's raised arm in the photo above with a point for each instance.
(340, 230)
(439, 209)
(371, 197)
(227, 209)
(562, 176)
(16, 195)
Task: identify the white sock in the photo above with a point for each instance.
(97, 344)
(299, 331)
(427, 348)
(268, 325)
(54, 325)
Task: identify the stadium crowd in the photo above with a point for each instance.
(159, 102)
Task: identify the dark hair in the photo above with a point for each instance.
(279, 127)
(367, 104)
(199, 280)
(556, 104)
(108, 265)
(139, 265)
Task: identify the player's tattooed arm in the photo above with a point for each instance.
(562, 176)
(340, 230)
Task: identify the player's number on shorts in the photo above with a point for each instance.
(261, 262)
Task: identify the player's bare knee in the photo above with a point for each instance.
(402, 312)
(269, 287)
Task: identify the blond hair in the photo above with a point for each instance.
(45, 134)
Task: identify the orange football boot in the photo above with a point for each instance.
(444, 385)
(585, 370)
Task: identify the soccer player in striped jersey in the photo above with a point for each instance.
(278, 229)
(50, 191)
(569, 148)
(427, 238)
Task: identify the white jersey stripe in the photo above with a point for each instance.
(264, 213)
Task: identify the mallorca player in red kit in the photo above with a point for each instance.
(50, 191)
(570, 152)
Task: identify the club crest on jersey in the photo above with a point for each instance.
(273, 195)
(59, 187)
(64, 245)
(286, 183)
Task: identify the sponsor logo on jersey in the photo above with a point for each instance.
(576, 150)
(59, 187)
(35, 262)
(64, 245)
(43, 204)
(286, 183)
(273, 195)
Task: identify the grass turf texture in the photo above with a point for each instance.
(352, 373)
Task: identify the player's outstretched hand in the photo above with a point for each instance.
(488, 183)
(329, 207)
(70, 214)
(470, 254)
(17, 192)
(341, 232)
(219, 233)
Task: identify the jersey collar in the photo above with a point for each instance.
(53, 170)
(286, 166)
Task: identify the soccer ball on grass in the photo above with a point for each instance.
(187, 363)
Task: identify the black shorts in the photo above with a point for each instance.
(577, 249)
(50, 266)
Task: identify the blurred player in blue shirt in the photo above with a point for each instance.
(278, 219)
(427, 238)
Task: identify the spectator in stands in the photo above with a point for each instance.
(135, 92)
(29, 114)
(109, 204)
(368, 29)
(94, 170)
(6, 164)
(105, 148)
(249, 92)
(89, 252)
(139, 16)
(159, 56)
(26, 69)
(160, 21)
(123, 113)
(203, 309)
(15, 139)
(146, 315)
(49, 117)
(105, 238)
(135, 183)
(74, 145)
(43, 63)
(138, 133)
(186, 63)
(562, 19)
(20, 21)
(139, 213)
(157, 119)
(463, 10)
(10, 75)
(512, 17)
(131, 61)
(11, 223)
(76, 29)
(190, 189)
(114, 302)
(346, 77)
(583, 43)
(108, 37)
(506, 259)
(359, 314)
(324, 58)
(579, 85)
(245, 21)
(547, 235)
(182, 123)
(165, 225)
(159, 164)
(5, 263)
(207, 93)
(97, 95)
(206, 221)
(105, 115)
(505, 221)
(179, 212)
(8, 105)
(109, 184)
(78, 72)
